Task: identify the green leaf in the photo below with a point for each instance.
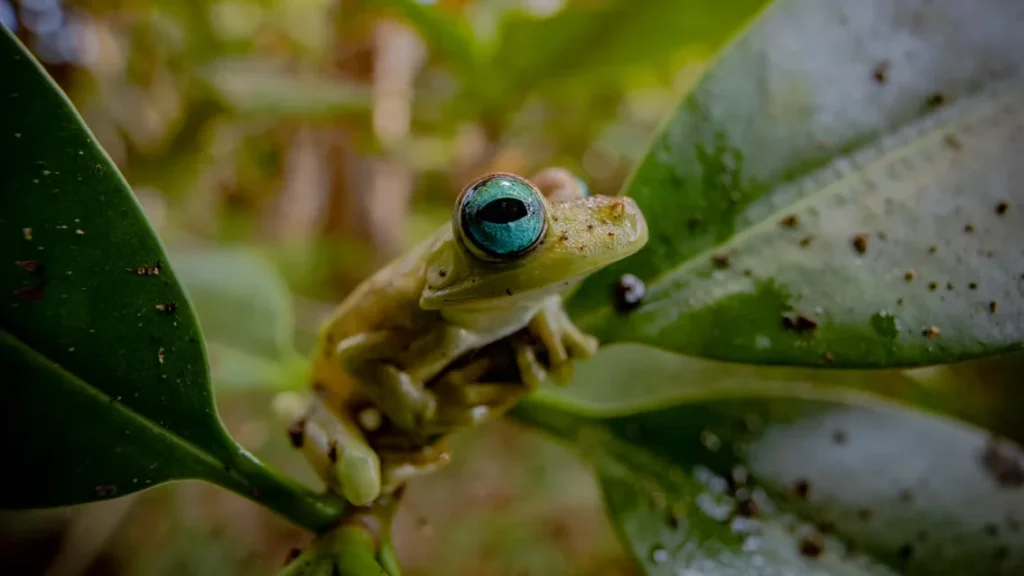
(258, 88)
(106, 387)
(607, 38)
(829, 489)
(985, 393)
(826, 121)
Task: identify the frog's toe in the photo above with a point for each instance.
(358, 473)
(425, 411)
(562, 373)
(531, 372)
(579, 344)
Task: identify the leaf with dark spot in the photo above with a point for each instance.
(888, 194)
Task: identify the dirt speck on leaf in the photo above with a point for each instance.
(935, 100)
(801, 489)
(860, 243)
(930, 332)
(27, 265)
(798, 322)
(812, 545)
(839, 437)
(148, 270)
(993, 306)
(952, 142)
(909, 275)
(1003, 462)
(806, 241)
(720, 259)
(881, 72)
(968, 228)
(1002, 207)
(30, 292)
(790, 221)
(905, 552)
(167, 308)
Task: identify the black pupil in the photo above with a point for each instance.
(502, 211)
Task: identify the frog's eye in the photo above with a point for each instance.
(502, 216)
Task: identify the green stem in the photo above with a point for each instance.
(312, 510)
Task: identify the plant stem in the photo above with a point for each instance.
(317, 512)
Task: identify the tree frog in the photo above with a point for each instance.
(500, 266)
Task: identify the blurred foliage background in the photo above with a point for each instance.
(319, 139)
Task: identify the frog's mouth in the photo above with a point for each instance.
(582, 236)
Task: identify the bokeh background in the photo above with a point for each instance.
(326, 137)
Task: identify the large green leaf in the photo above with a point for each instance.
(800, 486)
(842, 189)
(106, 387)
(985, 393)
(591, 40)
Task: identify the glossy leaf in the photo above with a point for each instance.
(839, 190)
(985, 393)
(799, 486)
(106, 387)
(252, 87)
(608, 39)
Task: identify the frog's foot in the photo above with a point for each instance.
(399, 467)
(404, 400)
(559, 185)
(339, 453)
(561, 338)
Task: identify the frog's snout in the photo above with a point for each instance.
(601, 228)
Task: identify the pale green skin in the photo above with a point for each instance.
(404, 325)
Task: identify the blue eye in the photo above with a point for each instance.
(502, 216)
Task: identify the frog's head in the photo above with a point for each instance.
(508, 241)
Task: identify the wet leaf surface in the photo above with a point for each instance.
(798, 486)
(824, 207)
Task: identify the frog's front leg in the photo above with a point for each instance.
(561, 338)
(391, 369)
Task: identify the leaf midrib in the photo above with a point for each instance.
(45, 363)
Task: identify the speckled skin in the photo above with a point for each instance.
(405, 324)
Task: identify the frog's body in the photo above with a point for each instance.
(499, 267)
